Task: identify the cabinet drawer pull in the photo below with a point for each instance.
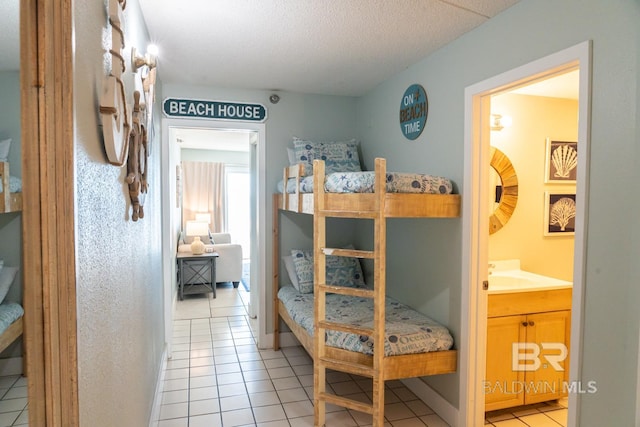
(531, 323)
(524, 323)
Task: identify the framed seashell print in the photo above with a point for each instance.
(561, 162)
(559, 213)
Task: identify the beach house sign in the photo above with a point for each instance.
(214, 110)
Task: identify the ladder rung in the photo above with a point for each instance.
(348, 214)
(343, 327)
(343, 290)
(346, 402)
(349, 253)
(350, 367)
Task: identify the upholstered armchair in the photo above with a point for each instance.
(229, 262)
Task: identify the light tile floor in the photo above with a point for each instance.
(13, 401)
(218, 377)
(548, 414)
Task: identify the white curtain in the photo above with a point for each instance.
(203, 192)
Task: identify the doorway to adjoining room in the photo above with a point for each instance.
(216, 188)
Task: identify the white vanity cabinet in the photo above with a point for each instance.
(538, 324)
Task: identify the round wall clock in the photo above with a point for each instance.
(414, 107)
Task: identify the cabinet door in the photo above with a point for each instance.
(503, 385)
(550, 333)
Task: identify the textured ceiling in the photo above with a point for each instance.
(336, 47)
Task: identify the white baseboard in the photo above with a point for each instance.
(11, 366)
(428, 395)
(157, 400)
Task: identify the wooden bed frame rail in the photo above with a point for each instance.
(9, 202)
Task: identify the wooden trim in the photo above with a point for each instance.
(9, 202)
(513, 303)
(48, 211)
(10, 334)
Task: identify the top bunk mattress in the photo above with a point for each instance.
(407, 331)
(363, 182)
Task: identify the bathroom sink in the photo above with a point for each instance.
(523, 281)
(508, 282)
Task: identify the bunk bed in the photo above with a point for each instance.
(10, 190)
(11, 313)
(378, 205)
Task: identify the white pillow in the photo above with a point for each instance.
(7, 274)
(291, 271)
(4, 150)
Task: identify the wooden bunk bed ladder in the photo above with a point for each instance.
(322, 361)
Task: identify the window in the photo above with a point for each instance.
(237, 202)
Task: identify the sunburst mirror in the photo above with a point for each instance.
(506, 190)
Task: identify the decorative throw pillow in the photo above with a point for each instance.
(7, 274)
(4, 150)
(303, 264)
(291, 271)
(341, 271)
(338, 156)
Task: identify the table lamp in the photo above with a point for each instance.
(197, 229)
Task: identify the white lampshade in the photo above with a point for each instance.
(204, 217)
(196, 228)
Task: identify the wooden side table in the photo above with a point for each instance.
(196, 273)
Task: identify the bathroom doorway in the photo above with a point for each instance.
(478, 122)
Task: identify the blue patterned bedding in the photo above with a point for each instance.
(15, 185)
(407, 331)
(9, 313)
(363, 182)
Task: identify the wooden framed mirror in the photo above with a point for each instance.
(506, 190)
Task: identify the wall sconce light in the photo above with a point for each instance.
(499, 122)
(149, 59)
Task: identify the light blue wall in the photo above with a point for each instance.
(118, 261)
(315, 117)
(528, 31)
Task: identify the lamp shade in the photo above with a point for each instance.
(203, 217)
(196, 228)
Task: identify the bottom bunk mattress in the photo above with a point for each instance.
(407, 331)
(9, 313)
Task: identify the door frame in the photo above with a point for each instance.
(169, 220)
(475, 226)
(48, 218)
